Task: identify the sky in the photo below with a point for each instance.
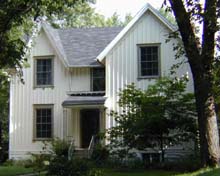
(122, 7)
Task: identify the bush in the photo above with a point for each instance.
(60, 147)
(61, 166)
(100, 155)
(183, 165)
(40, 162)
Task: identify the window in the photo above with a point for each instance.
(44, 72)
(98, 79)
(148, 61)
(43, 121)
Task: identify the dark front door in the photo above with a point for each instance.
(89, 125)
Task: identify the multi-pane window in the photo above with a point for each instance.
(43, 122)
(44, 72)
(149, 61)
(98, 79)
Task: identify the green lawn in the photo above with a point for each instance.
(140, 173)
(203, 172)
(14, 170)
(17, 170)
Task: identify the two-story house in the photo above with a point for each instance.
(75, 75)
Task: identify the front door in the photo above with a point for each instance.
(89, 125)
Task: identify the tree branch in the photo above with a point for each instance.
(209, 30)
(187, 32)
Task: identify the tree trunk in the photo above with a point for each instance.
(207, 119)
(201, 60)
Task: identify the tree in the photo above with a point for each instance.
(83, 15)
(13, 16)
(4, 104)
(159, 117)
(200, 51)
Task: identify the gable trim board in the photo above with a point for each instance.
(54, 43)
(146, 8)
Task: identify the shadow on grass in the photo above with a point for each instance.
(215, 172)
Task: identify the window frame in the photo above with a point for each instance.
(36, 58)
(92, 80)
(158, 45)
(42, 106)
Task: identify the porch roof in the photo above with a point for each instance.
(83, 100)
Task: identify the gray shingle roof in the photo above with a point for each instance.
(81, 46)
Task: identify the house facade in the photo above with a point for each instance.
(74, 76)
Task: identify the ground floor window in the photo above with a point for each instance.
(43, 118)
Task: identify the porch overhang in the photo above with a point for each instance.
(73, 101)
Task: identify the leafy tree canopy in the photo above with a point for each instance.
(15, 16)
(83, 15)
(161, 116)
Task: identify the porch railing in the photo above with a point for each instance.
(71, 150)
(91, 146)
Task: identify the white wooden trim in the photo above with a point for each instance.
(147, 7)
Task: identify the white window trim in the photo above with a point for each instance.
(139, 60)
(42, 106)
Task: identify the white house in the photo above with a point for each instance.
(75, 75)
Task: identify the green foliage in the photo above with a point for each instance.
(40, 162)
(83, 15)
(13, 27)
(161, 116)
(168, 15)
(4, 104)
(59, 147)
(61, 166)
(100, 155)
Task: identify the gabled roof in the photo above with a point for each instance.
(146, 8)
(80, 47)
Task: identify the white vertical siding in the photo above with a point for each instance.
(122, 60)
(24, 96)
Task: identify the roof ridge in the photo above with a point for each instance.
(75, 28)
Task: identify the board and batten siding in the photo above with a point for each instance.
(23, 97)
(122, 61)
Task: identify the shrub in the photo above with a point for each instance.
(100, 154)
(60, 147)
(183, 165)
(61, 166)
(40, 162)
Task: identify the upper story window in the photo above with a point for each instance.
(149, 61)
(98, 79)
(43, 72)
(43, 121)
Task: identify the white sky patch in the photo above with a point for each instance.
(123, 7)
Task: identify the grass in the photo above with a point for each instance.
(202, 172)
(138, 173)
(14, 170)
(18, 170)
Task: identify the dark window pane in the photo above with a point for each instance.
(149, 61)
(43, 123)
(38, 134)
(44, 72)
(98, 79)
(44, 134)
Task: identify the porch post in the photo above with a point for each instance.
(64, 123)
